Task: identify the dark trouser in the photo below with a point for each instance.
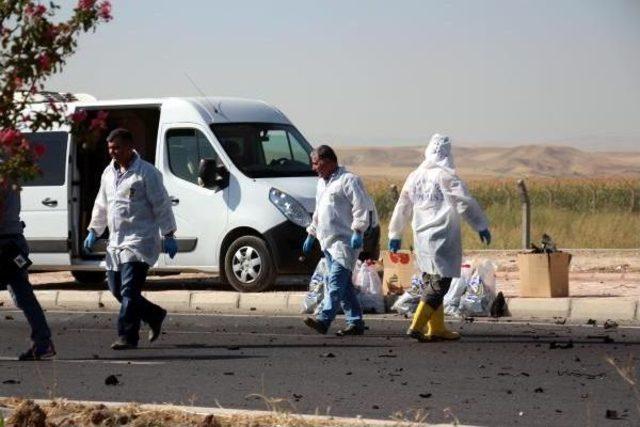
(24, 298)
(435, 289)
(126, 285)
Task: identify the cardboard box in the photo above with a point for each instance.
(399, 268)
(544, 275)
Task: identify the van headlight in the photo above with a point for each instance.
(290, 207)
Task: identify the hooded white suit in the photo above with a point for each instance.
(437, 198)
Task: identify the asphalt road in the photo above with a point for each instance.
(498, 374)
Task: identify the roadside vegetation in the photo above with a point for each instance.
(576, 213)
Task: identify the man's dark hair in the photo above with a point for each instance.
(121, 134)
(325, 152)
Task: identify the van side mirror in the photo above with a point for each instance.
(212, 175)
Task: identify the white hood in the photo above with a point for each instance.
(438, 154)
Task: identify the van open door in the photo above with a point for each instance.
(45, 203)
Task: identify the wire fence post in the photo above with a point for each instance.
(526, 214)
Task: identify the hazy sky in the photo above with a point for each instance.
(346, 71)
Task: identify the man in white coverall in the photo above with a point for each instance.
(344, 211)
(133, 203)
(437, 199)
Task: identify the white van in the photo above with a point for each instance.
(238, 173)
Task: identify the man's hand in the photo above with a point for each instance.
(485, 236)
(356, 240)
(170, 246)
(394, 245)
(307, 246)
(90, 241)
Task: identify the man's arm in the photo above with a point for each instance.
(402, 212)
(160, 203)
(456, 191)
(360, 202)
(99, 213)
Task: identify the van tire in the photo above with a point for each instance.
(89, 277)
(248, 265)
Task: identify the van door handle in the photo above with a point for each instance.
(50, 202)
(174, 201)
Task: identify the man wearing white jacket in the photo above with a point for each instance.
(133, 203)
(437, 199)
(344, 211)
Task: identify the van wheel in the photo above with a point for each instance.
(248, 265)
(89, 277)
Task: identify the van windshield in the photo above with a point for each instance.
(262, 150)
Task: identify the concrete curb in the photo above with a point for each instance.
(620, 309)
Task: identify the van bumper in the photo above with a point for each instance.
(285, 242)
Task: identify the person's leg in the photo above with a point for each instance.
(114, 280)
(436, 328)
(133, 276)
(332, 294)
(153, 315)
(349, 300)
(24, 298)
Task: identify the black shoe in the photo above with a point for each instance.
(416, 335)
(314, 324)
(351, 330)
(122, 344)
(39, 352)
(156, 327)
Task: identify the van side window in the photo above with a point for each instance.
(54, 160)
(185, 149)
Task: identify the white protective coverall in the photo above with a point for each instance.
(137, 209)
(342, 207)
(437, 198)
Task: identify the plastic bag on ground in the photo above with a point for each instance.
(369, 287)
(312, 302)
(409, 300)
(473, 293)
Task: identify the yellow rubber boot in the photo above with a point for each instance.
(437, 330)
(420, 319)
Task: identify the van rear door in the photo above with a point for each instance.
(45, 202)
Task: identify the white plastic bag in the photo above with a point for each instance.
(409, 300)
(369, 286)
(312, 302)
(473, 293)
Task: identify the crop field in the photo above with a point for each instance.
(576, 213)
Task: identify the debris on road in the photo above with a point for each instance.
(328, 355)
(10, 382)
(555, 345)
(111, 380)
(610, 324)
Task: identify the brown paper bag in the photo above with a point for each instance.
(399, 268)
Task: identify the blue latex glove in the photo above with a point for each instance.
(170, 246)
(90, 241)
(485, 236)
(307, 246)
(356, 240)
(394, 245)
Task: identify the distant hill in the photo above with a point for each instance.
(476, 162)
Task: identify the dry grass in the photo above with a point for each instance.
(577, 213)
(59, 413)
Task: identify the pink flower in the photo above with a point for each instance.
(39, 149)
(9, 136)
(104, 10)
(44, 62)
(35, 11)
(86, 5)
(79, 116)
(100, 122)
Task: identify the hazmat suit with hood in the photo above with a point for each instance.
(437, 200)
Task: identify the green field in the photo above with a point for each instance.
(577, 213)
